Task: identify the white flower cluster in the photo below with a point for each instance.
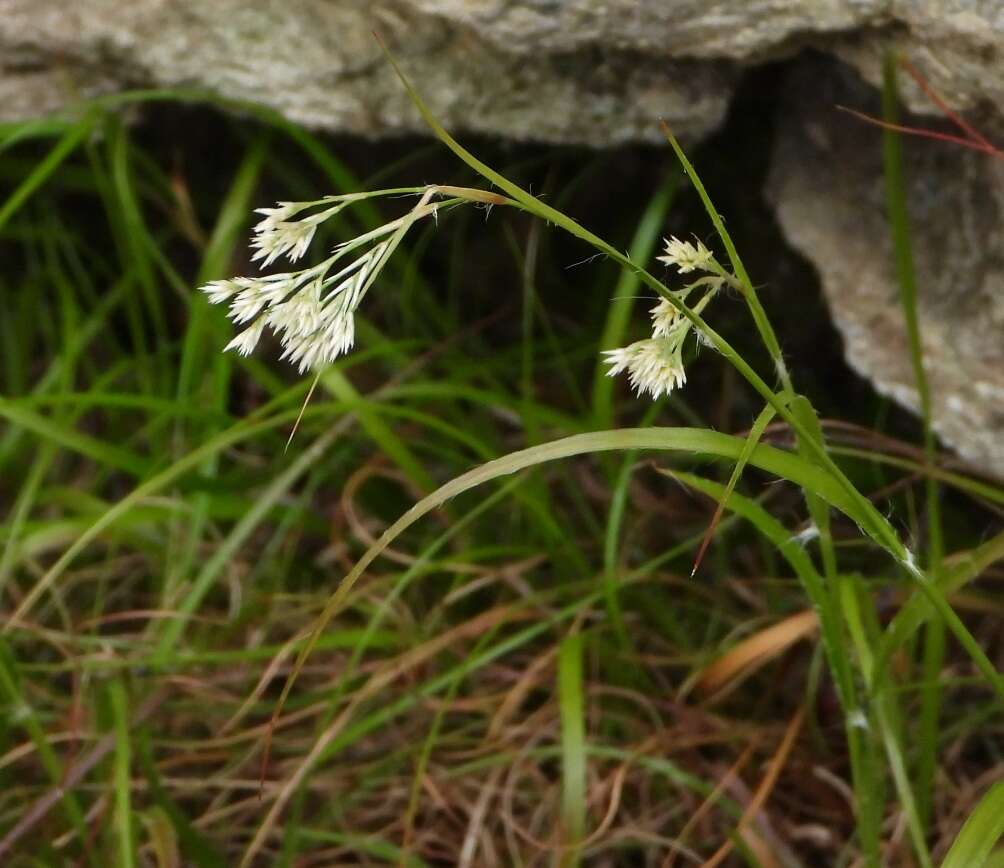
(312, 310)
(685, 256)
(655, 364)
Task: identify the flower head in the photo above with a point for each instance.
(665, 317)
(221, 290)
(310, 311)
(299, 315)
(289, 237)
(321, 347)
(686, 256)
(277, 215)
(653, 365)
(247, 340)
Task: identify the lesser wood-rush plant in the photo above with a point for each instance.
(311, 312)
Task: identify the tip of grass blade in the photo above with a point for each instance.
(708, 536)
(303, 410)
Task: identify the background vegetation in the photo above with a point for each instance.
(529, 675)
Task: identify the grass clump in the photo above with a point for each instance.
(488, 608)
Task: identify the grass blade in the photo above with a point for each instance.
(756, 432)
(122, 783)
(60, 151)
(571, 704)
(980, 833)
(691, 440)
(934, 634)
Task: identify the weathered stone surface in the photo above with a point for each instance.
(957, 44)
(318, 63)
(827, 187)
(596, 71)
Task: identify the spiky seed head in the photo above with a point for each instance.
(686, 256)
(220, 290)
(665, 318)
(274, 216)
(290, 238)
(654, 365)
(247, 340)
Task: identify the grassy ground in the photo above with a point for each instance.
(528, 675)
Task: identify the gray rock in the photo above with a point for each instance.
(827, 187)
(318, 63)
(956, 44)
(596, 71)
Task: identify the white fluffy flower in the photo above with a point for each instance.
(665, 317)
(291, 237)
(304, 351)
(299, 315)
(653, 365)
(311, 311)
(221, 290)
(247, 340)
(323, 346)
(275, 216)
(686, 256)
(339, 335)
(280, 235)
(255, 295)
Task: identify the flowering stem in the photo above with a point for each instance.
(878, 526)
(741, 279)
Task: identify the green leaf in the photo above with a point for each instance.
(571, 704)
(690, 440)
(756, 432)
(122, 819)
(40, 174)
(104, 453)
(980, 833)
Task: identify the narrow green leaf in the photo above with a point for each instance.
(122, 777)
(104, 453)
(756, 432)
(934, 635)
(40, 174)
(571, 705)
(868, 790)
(776, 461)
